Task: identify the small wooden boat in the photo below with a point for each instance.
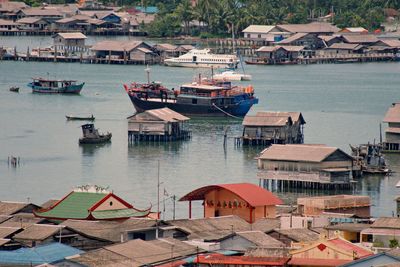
(257, 62)
(80, 118)
(91, 135)
(14, 89)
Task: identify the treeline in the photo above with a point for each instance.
(216, 17)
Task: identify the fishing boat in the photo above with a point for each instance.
(203, 58)
(48, 86)
(14, 89)
(200, 98)
(91, 135)
(370, 159)
(81, 118)
(231, 75)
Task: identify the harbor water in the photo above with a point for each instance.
(342, 104)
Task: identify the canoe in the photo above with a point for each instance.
(81, 118)
(14, 89)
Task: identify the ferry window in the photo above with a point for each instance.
(194, 101)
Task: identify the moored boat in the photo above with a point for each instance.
(91, 135)
(14, 89)
(82, 118)
(201, 98)
(48, 86)
(203, 58)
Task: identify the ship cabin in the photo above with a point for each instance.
(41, 82)
(392, 133)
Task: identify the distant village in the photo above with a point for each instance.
(69, 24)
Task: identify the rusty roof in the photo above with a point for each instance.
(345, 46)
(41, 12)
(266, 120)
(387, 222)
(10, 207)
(29, 20)
(7, 22)
(393, 114)
(298, 235)
(302, 153)
(103, 257)
(350, 227)
(293, 38)
(391, 42)
(7, 231)
(260, 239)
(251, 193)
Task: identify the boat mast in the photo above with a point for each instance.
(158, 197)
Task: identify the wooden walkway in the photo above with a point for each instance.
(135, 137)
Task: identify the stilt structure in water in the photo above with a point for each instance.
(305, 166)
(157, 125)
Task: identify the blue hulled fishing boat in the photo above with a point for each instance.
(201, 98)
(48, 86)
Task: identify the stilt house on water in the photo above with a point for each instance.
(266, 128)
(392, 133)
(305, 166)
(157, 125)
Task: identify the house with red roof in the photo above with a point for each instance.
(328, 252)
(248, 201)
(91, 203)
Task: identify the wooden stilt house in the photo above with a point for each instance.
(158, 125)
(266, 128)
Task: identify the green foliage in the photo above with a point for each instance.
(393, 243)
(164, 26)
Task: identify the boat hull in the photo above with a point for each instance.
(199, 65)
(238, 110)
(98, 140)
(71, 89)
(72, 118)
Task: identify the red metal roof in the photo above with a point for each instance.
(252, 194)
(348, 246)
(317, 262)
(240, 260)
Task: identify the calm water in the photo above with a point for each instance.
(342, 104)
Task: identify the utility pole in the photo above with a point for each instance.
(173, 213)
(158, 197)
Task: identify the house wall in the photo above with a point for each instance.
(384, 239)
(148, 127)
(362, 212)
(111, 204)
(224, 197)
(392, 138)
(301, 166)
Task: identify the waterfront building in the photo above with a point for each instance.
(266, 128)
(8, 9)
(392, 133)
(8, 208)
(261, 32)
(69, 42)
(290, 237)
(363, 39)
(123, 51)
(341, 49)
(91, 203)
(245, 200)
(161, 124)
(329, 40)
(32, 24)
(307, 166)
(344, 204)
(50, 15)
(328, 252)
(279, 54)
(8, 25)
(310, 41)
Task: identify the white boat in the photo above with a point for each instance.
(203, 58)
(231, 76)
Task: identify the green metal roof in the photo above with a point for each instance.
(74, 206)
(121, 213)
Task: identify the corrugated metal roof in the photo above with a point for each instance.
(119, 46)
(167, 114)
(266, 120)
(7, 22)
(72, 35)
(293, 38)
(393, 114)
(391, 42)
(38, 232)
(387, 222)
(260, 239)
(259, 29)
(29, 20)
(7, 231)
(345, 46)
(9, 207)
(314, 27)
(41, 12)
(317, 262)
(38, 255)
(290, 152)
(296, 116)
(360, 38)
(222, 260)
(355, 29)
(392, 130)
(251, 193)
(299, 235)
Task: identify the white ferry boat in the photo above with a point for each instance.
(202, 58)
(231, 76)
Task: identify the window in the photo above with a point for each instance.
(259, 36)
(194, 101)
